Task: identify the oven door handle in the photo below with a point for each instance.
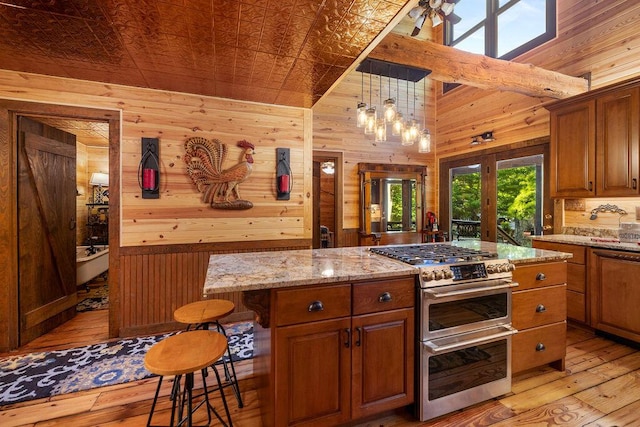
(435, 294)
(464, 343)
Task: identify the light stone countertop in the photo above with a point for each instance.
(278, 269)
(595, 242)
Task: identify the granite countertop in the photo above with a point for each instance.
(595, 242)
(278, 269)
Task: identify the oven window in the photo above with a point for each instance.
(464, 369)
(467, 311)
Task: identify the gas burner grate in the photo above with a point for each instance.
(432, 254)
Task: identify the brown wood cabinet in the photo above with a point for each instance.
(539, 315)
(577, 296)
(338, 352)
(615, 292)
(595, 143)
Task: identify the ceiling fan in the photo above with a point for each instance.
(435, 10)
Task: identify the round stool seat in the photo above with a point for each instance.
(204, 311)
(185, 353)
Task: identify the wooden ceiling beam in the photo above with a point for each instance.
(451, 65)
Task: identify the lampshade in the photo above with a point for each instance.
(328, 168)
(98, 178)
(424, 145)
(381, 130)
(372, 119)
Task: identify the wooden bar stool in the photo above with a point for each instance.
(199, 315)
(182, 355)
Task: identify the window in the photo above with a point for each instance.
(500, 29)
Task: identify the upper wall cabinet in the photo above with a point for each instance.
(595, 141)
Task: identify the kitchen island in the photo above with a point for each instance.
(337, 334)
(251, 271)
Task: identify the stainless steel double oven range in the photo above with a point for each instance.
(463, 315)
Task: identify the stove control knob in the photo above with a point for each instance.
(512, 267)
(427, 276)
(439, 274)
(448, 274)
(492, 268)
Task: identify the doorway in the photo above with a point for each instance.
(59, 302)
(498, 195)
(327, 199)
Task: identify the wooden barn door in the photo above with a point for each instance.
(46, 224)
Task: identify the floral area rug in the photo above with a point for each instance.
(37, 375)
(96, 298)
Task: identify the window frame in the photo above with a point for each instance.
(490, 24)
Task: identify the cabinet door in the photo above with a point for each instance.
(573, 163)
(615, 294)
(617, 143)
(313, 373)
(382, 364)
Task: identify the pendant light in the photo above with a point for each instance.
(372, 116)
(381, 123)
(398, 122)
(424, 143)
(406, 131)
(414, 129)
(389, 104)
(361, 112)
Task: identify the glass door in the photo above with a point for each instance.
(519, 199)
(497, 195)
(466, 213)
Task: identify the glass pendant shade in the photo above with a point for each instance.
(370, 125)
(424, 144)
(361, 115)
(406, 136)
(414, 130)
(389, 110)
(398, 124)
(381, 130)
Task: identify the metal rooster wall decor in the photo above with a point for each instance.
(205, 159)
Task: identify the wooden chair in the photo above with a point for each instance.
(182, 355)
(200, 315)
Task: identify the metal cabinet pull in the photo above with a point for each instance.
(316, 306)
(590, 185)
(541, 276)
(347, 340)
(359, 336)
(540, 347)
(541, 308)
(385, 297)
(72, 224)
(634, 183)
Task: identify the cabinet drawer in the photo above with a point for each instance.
(312, 304)
(578, 252)
(539, 346)
(384, 295)
(539, 275)
(538, 307)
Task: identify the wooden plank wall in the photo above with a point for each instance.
(600, 38)
(154, 284)
(334, 129)
(179, 216)
(82, 182)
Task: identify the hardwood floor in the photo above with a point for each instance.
(600, 387)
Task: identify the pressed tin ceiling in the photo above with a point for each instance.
(286, 52)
